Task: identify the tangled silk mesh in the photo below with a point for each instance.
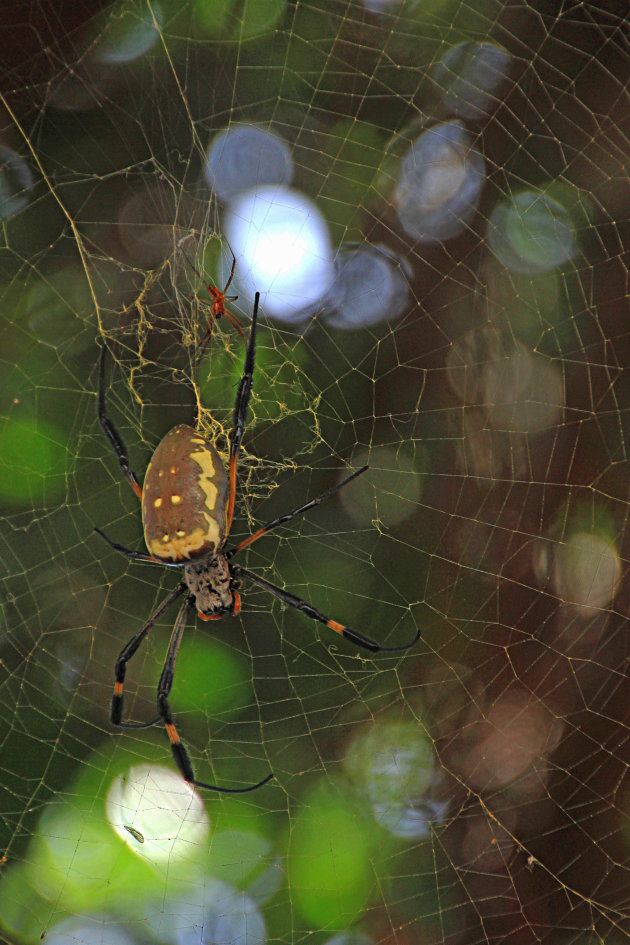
(471, 345)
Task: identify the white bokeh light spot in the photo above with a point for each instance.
(281, 241)
(157, 813)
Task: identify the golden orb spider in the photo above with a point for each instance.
(187, 512)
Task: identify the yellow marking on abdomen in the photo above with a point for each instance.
(183, 545)
(204, 460)
(176, 499)
(157, 503)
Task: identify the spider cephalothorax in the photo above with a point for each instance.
(187, 511)
(213, 587)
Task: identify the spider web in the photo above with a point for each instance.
(475, 788)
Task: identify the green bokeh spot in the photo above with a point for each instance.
(32, 459)
(211, 679)
(540, 230)
(23, 909)
(280, 379)
(211, 15)
(237, 857)
(57, 310)
(330, 872)
(75, 855)
(238, 21)
(355, 151)
(258, 16)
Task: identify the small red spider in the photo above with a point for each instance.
(218, 308)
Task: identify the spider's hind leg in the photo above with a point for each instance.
(180, 753)
(125, 655)
(360, 639)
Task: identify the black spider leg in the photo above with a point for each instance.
(180, 754)
(353, 635)
(125, 655)
(282, 519)
(137, 555)
(110, 430)
(240, 412)
(231, 276)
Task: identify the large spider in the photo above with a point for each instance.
(187, 511)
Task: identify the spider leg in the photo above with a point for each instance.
(110, 430)
(240, 412)
(135, 555)
(233, 320)
(180, 754)
(125, 655)
(353, 635)
(289, 515)
(229, 282)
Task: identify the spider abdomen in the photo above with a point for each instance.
(184, 497)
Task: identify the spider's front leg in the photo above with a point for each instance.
(111, 431)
